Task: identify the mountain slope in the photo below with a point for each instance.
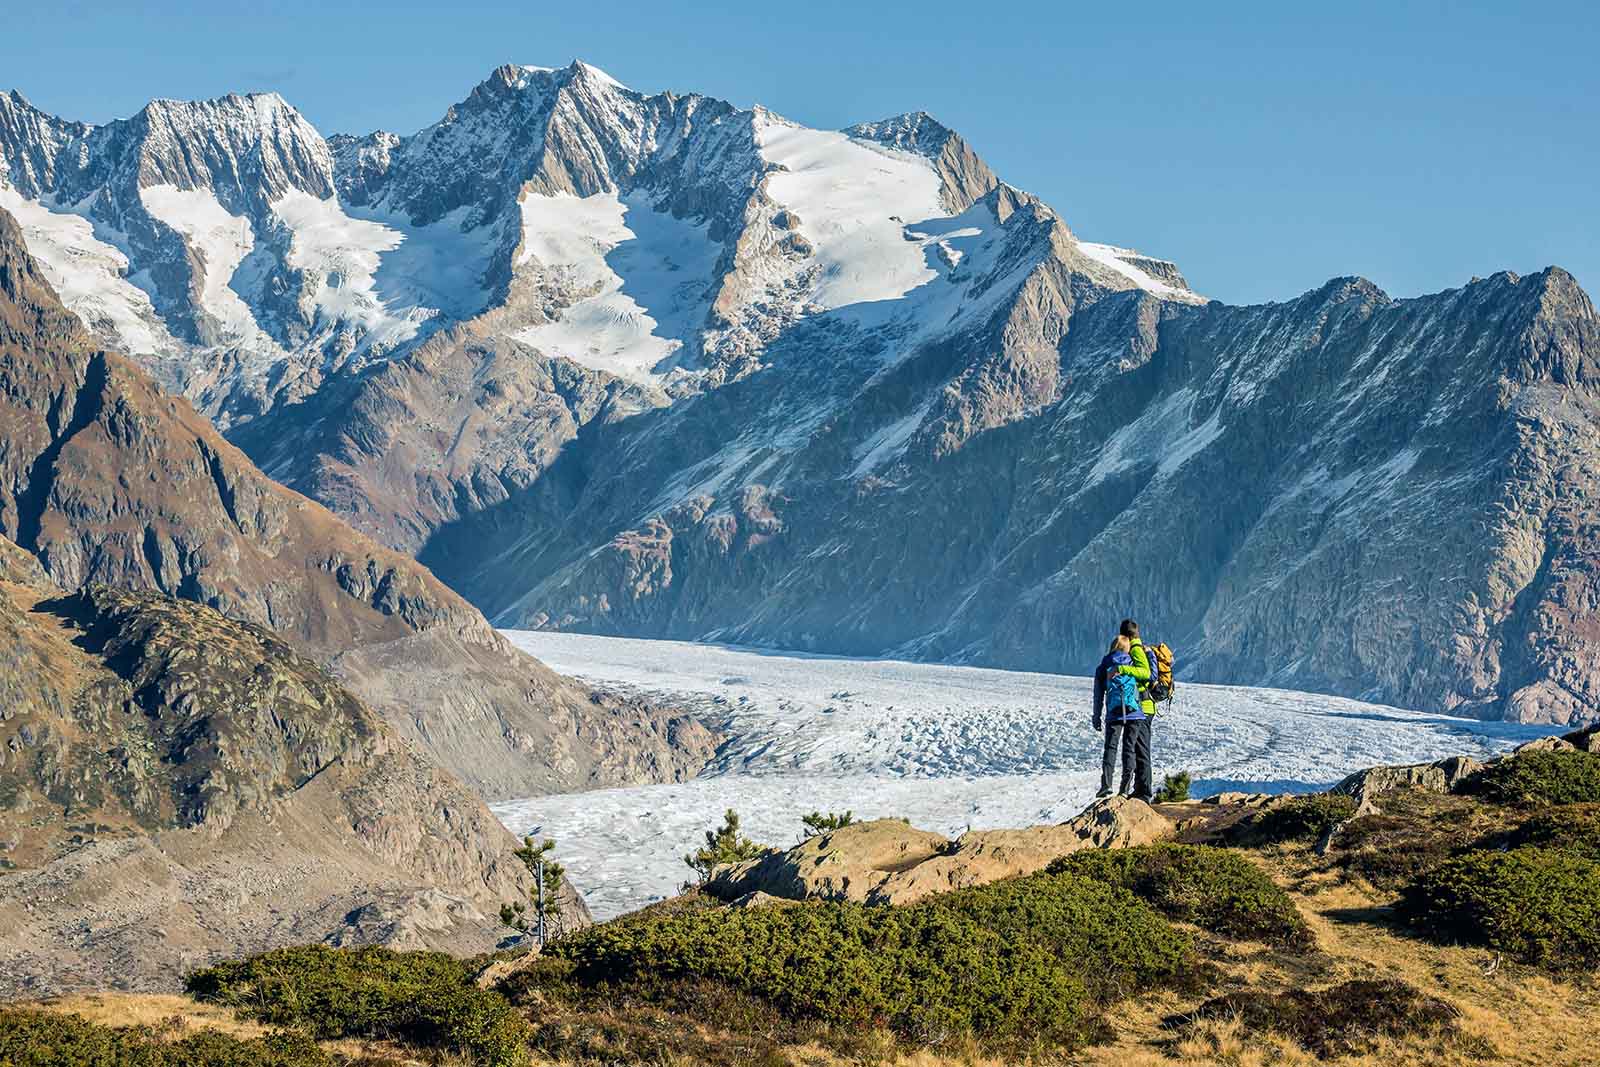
(177, 785)
(106, 479)
(680, 368)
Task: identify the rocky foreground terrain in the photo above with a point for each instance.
(176, 786)
(106, 479)
(1440, 913)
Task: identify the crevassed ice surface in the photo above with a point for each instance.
(948, 747)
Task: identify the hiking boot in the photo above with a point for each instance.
(1103, 794)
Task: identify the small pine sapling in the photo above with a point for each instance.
(723, 845)
(817, 823)
(542, 909)
(1174, 789)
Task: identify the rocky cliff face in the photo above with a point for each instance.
(177, 785)
(670, 367)
(106, 479)
(1344, 492)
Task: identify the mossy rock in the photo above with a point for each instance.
(1341, 1020)
(33, 1038)
(1538, 905)
(425, 999)
(1020, 964)
(1298, 818)
(1217, 890)
(1568, 777)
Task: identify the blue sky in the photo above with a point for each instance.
(1264, 147)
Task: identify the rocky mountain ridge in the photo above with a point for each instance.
(670, 367)
(107, 480)
(176, 785)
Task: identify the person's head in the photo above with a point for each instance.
(1121, 644)
(1130, 629)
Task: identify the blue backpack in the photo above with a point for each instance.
(1122, 691)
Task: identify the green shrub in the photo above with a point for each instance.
(1573, 829)
(1538, 905)
(33, 1038)
(420, 998)
(1215, 889)
(723, 845)
(1018, 962)
(1299, 818)
(1539, 778)
(1174, 789)
(1342, 1020)
(819, 823)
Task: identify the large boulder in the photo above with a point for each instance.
(1441, 776)
(1585, 740)
(891, 862)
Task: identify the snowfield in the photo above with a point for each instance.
(947, 747)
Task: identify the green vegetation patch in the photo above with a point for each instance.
(1342, 1020)
(1022, 962)
(1217, 890)
(1538, 905)
(1539, 778)
(33, 1038)
(426, 999)
(1174, 788)
(1300, 818)
(1573, 828)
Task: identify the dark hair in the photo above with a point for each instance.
(1129, 628)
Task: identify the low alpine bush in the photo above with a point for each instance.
(1022, 962)
(1346, 1019)
(1299, 818)
(1215, 889)
(1574, 829)
(1539, 778)
(426, 999)
(1538, 905)
(33, 1038)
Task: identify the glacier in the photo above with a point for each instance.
(949, 747)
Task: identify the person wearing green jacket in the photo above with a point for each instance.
(1139, 669)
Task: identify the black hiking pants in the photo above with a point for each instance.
(1128, 744)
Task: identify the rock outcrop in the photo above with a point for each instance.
(105, 479)
(887, 861)
(176, 786)
(1441, 776)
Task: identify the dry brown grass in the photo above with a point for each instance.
(172, 1016)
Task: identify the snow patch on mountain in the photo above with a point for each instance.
(854, 199)
(437, 269)
(651, 274)
(89, 275)
(1117, 259)
(341, 256)
(219, 242)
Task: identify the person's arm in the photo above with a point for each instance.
(1099, 694)
(1140, 668)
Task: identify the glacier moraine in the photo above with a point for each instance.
(947, 747)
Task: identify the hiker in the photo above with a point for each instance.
(1142, 673)
(1117, 710)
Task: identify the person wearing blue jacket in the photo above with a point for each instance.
(1118, 711)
